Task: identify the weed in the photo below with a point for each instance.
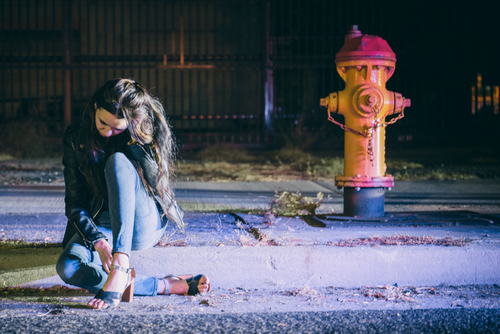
(293, 204)
(254, 237)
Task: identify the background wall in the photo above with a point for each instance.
(55, 53)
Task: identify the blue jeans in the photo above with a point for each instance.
(132, 223)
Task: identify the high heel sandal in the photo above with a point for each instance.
(113, 298)
(192, 283)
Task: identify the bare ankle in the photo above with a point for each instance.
(121, 259)
(162, 287)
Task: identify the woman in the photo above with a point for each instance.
(118, 195)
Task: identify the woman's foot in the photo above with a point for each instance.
(184, 285)
(118, 280)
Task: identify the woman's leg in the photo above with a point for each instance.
(135, 221)
(81, 267)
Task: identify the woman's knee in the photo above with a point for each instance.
(67, 266)
(73, 257)
(118, 160)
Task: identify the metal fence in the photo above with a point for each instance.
(228, 71)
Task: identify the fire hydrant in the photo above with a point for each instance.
(365, 63)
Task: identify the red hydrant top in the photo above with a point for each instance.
(358, 46)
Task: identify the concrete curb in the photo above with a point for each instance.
(320, 266)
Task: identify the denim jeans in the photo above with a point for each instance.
(132, 223)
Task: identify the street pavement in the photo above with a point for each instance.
(324, 267)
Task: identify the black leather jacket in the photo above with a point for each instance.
(82, 206)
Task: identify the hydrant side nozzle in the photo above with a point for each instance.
(400, 103)
(330, 102)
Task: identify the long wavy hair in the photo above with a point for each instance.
(146, 126)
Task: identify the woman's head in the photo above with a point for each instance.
(109, 125)
(124, 103)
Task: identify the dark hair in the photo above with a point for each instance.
(146, 125)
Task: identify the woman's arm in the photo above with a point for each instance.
(77, 203)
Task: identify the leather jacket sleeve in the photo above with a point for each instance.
(77, 202)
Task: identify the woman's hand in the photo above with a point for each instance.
(104, 249)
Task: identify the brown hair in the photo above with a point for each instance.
(146, 125)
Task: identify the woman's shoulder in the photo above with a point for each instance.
(72, 134)
(73, 128)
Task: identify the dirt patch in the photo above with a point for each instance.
(401, 240)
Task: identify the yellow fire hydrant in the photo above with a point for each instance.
(365, 63)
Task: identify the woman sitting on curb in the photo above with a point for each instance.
(117, 163)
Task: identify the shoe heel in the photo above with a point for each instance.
(128, 294)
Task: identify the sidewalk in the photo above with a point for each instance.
(292, 255)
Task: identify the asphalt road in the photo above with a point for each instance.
(401, 321)
(482, 196)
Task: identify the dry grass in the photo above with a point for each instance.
(26, 139)
(434, 174)
(225, 163)
(224, 153)
(28, 244)
(232, 163)
(392, 293)
(301, 292)
(6, 157)
(54, 290)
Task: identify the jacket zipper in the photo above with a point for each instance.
(82, 234)
(80, 231)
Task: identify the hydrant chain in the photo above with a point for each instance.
(395, 119)
(378, 123)
(369, 148)
(346, 128)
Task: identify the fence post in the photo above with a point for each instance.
(67, 61)
(269, 83)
